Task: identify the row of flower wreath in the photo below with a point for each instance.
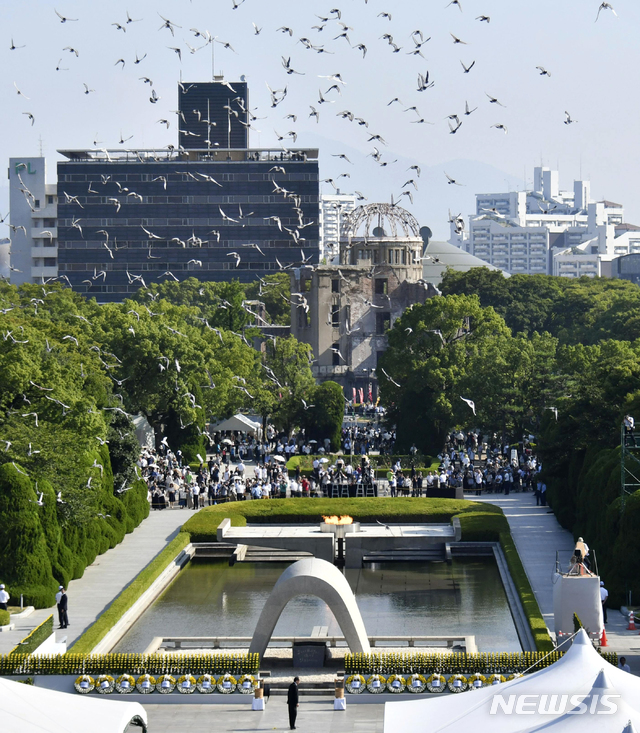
(417, 683)
(166, 683)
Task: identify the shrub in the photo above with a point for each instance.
(25, 562)
(5, 617)
(31, 642)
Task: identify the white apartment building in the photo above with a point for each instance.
(33, 220)
(548, 231)
(334, 209)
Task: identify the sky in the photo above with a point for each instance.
(593, 69)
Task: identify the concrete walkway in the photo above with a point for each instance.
(538, 537)
(102, 581)
(314, 716)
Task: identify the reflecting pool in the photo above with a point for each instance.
(209, 598)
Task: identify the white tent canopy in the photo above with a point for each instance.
(238, 422)
(578, 672)
(32, 709)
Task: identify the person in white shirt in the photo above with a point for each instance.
(58, 599)
(583, 547)
(622, 664)
(604, 597)
(4, 597)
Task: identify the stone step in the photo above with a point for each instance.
(272, 557)
(404, 556)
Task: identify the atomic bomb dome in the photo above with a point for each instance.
(381, 220)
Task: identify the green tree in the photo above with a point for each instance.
(275, 292)
(439, 352)
(286, 383)
(324, 419)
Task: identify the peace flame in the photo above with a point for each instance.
(345, 519)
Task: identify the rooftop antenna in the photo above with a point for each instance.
(40, 144)
(213, 58)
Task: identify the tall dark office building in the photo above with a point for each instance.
(215, 214)
(213, 115)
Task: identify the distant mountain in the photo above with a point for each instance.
(434, 198)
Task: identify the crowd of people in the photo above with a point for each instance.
(173, 484)
(476, 465)
(370, 437)
(468, 460)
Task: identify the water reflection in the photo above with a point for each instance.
(212, 599)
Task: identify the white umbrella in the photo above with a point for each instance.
(323, 460)
(280, 459)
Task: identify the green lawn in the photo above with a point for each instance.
(203, 525)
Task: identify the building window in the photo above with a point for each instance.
(383, 322)
(334, 353)
(49, 199)
(381, 286)
(335, 286)
(37, 203)
(335, 316)
(50, 261)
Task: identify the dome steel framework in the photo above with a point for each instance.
(369, 222)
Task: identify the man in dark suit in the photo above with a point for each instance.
(62, 610)
(292, 702)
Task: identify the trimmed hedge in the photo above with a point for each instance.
(31, 642)
(5, 617)
(480, 522)
(155, 664)
(456, 663)
(381, 462)
(203, 525)
(98, 630)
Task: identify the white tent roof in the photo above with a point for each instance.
(578, 672)
(238, 422)
(32, 709)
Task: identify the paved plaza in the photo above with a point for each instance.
(314, 716)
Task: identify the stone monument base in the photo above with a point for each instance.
(309, 654)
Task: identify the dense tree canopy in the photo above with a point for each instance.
(554, 357)
(73, 374)
(582, 311)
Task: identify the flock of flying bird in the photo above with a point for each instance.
(330, 26)
(331, 22)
